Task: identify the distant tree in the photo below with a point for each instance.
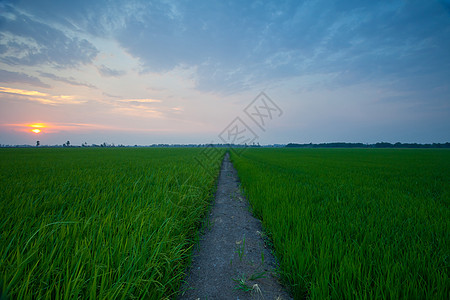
(38, 143)
(68, 143)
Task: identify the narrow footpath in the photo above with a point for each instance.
(231, 260)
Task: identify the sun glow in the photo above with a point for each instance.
(36, 130)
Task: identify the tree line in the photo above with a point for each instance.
(376, 145)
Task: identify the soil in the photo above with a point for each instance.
(231, 260)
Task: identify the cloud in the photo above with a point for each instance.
(70, 80)
(134, 101)
(139, 107)
(139, 111)
(235, 46)
(16, 77)
(111, 96)
(21, 92)
(40, 97)
(107, 72)
(29, 42)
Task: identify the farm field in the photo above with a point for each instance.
(354, 223)
(99, 223)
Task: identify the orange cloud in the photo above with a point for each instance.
(43, 98)
(22, 92)
(38, 125)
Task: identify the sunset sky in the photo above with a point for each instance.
(145, 72)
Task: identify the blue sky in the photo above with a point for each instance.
(144, 72)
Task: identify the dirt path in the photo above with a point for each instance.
(231, 260)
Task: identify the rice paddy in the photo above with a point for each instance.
(120, 223)
(360, 223)
(99, 223)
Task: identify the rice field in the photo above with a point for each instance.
(119, 223)
(354, 224)
(114, 223)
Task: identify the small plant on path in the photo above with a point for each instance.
(241, 248)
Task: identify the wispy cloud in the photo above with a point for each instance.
(17, 77)
(111, 96)
(43, 98)
(70, 80)
(108, 72)
(140, 100)
(139, 107)
(139, 111)
(21, 92)
(28, 41)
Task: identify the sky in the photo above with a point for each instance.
(150, 72)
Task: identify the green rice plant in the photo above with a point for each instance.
(240, 250)
(99, 223)
(242, 282)
(359, 223)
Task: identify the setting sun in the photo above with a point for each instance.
(36, 127)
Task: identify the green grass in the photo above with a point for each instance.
(99, 223)
(360, 223)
